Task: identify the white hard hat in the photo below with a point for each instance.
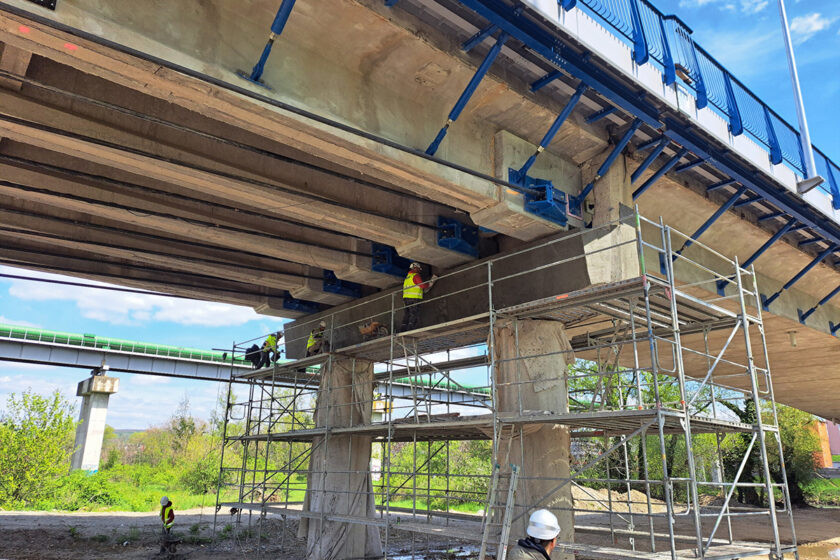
(164, 501)
(323, 324)
(543, 525)
(415, 265)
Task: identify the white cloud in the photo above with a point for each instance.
(750, 7)
(803, 28)
(753, 6)
(6, 321)
(130, 308)
(149, 380)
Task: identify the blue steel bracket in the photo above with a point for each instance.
(567, 4)
(640, 46)
(304, 306)
(335, 286)
(833, 328)
(457, 236)
(721, 284)
(736, 126)
(280, 19)
(772, 140)
(832, 185)
(548, 202)
(385, 259)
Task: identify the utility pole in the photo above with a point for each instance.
(811, 178)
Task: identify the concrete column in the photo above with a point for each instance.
(534, 384)
(339, 479)
(611, 191)
(95, 392)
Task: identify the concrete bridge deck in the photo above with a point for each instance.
(131, 152)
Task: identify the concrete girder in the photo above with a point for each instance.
(351, 201)
(14, 61)
(145, 278)
(346, 265)
(332, 146)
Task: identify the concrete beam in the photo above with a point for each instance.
(14, 61)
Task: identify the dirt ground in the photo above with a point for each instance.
(65, 536)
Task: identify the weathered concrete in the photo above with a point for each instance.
(530, 384)
(339, 480)
(95, 392)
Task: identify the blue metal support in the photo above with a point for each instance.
(687, 166)
(457, 236)
(800, 227)
(712, 219)
(670, 74)
(640, 46)
(595, 117)
(736, 126)
(770, 216)
(663, 143)
(721, 284)
(577, 201)
(516, 21)
(301, 305)
(567, 4)
(660, 172)
(478, 38)
(700, 83)
(385, 259)
(468, 92)
(748, 201)
(833, 328)
(280, 19)
(545, 80)
(811, 241)
(775, 148)
(766, 301)
(334, 285)
(552, 131)
(803, 316)
(720, 185)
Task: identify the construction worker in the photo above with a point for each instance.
(316, 342)
(413, 290)
(167, 517)
(542, 538)
(269, 350)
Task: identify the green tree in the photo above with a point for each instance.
(36, 442)
(799, 445)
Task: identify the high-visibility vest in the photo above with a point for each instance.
(165, 515)
(410, 289)
(271, 342)
(314, 337)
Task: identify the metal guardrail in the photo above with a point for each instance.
(15, 332)
(666, 42)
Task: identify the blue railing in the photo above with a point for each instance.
(666, 42)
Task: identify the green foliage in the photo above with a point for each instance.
(822, 492)
(36, 438)
(800, 443)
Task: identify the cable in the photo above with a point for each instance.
(253, 95)
(93, 286)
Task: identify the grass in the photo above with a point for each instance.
(823, 492)
(835, 458)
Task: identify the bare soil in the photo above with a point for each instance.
(64, 536)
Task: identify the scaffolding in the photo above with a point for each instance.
(661, 393)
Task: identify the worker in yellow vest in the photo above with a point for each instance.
(316, 343)
(413, 289)
(269, 352)
(167, 517)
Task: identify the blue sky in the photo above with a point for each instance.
(746, 37)
(142, 400)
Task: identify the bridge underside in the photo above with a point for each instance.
(122, 168)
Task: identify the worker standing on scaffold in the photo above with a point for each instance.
(316, 343)
(413, 289)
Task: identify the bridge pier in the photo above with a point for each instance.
(95, 392)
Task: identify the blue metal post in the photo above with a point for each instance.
(692, 165)
(720, 185)
(748, 201)
(700, 83)
(660, 172)
(277, 26)
(832, 185)
(663, 143)
(670, 74)
(713, 218)
(545, 80)
(610, 159)
(552, 131)
(721, 284)
(478, 37)
(736, 126)
(803, 316)
(640, 47)
(766, 301)
(595, 117)
(567, 4)
(775, 148)
(468, 91)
